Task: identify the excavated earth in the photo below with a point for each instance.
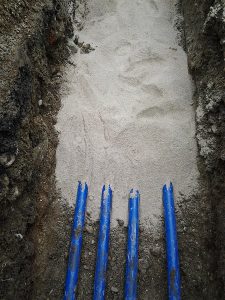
(36, 46)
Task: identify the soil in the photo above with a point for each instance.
(33, 47)
(205, 49)
(36, 222)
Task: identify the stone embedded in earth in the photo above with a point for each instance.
(114, 289)
(120, 222)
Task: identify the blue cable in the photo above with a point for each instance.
(103, 245)
(132, 247)
(76, 244)
(173, 271)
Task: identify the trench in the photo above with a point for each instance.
(141, 87)
(127, 119)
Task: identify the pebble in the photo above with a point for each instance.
(120, 222)
(76, 39)
(7, 160)
(11, 160)
(19, 235)
(89, 229)
(73, 49)
(16, 192)
(114, 289)
(214, 129)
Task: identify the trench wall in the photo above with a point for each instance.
(33, 48)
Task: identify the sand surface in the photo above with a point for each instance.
(126, 116)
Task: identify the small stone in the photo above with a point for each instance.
(40, 102)
(114, 289)
(51, 292)
(73, 49)
(156, 251)
(87, 46)
(80, 44)
(89, 229)
(120, 222)
(214, 129)
(11, 160)
(92, 242)
(19, 235)
(76, 39)
(16, 192)
(86, 267)
(7, 159)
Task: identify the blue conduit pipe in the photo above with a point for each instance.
(173, 271)
(132, 247)
(76, 243)
(103, 245)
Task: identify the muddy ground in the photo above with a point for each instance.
(35, 225)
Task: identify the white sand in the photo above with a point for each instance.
(127, 117)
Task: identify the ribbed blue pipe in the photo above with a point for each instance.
(132, 247)
(76, 244)
(103, 245)
(173, 271)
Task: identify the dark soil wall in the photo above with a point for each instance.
(33, 46)
(205, 45)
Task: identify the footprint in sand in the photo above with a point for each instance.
(133, 81)
(152, 89)
(150, 112)
(143, 59)
(157, 111)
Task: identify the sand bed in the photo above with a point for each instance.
(126, 116)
